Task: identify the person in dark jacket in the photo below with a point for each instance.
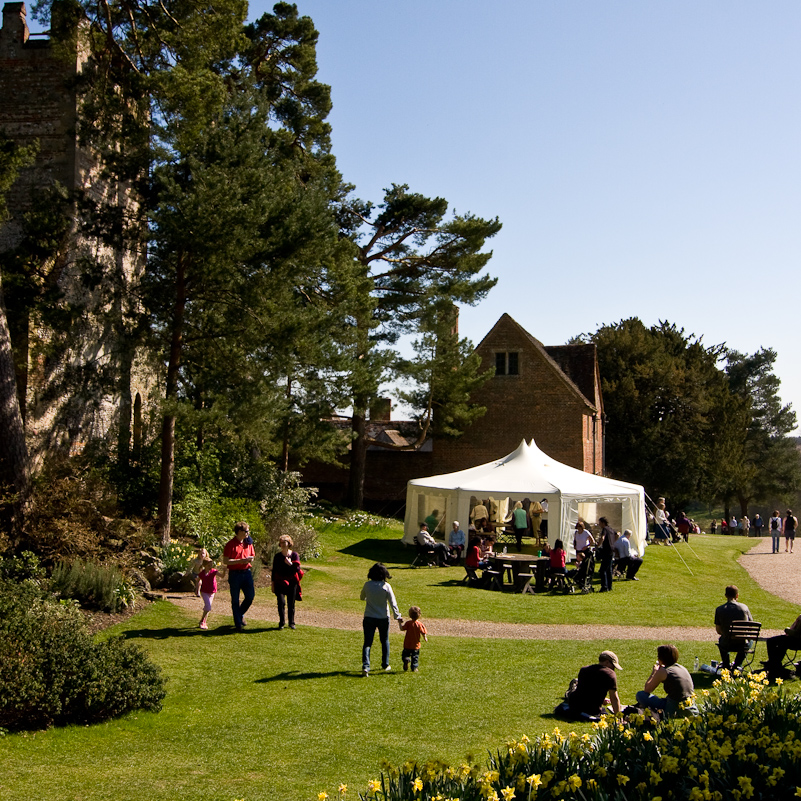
(285, 580)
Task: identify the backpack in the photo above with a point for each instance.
(774, 523)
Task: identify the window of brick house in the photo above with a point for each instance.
(506, 363)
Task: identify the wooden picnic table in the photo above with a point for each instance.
(520, 563)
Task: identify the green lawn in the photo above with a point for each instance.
(279, 716)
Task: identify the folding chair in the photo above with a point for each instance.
(424, 555)
(743, 632)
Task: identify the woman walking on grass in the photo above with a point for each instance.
(285, 580)
(379, 600)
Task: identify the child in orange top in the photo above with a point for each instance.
(411, 643)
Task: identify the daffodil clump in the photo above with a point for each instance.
(744, 744)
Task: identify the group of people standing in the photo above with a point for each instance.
(238, 556)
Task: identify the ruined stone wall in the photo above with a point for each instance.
(80, 381)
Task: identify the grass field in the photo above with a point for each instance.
(279, 716)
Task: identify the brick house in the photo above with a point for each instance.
(551, 394)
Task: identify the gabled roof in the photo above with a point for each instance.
(562, 374)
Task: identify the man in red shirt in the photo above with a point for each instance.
(238, 555)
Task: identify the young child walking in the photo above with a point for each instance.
(411, 642)
(208, 586)
(197, 566)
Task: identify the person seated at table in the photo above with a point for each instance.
(473, 558)
(456, 541)
(558, 559)
(677, 680)
(487, 546)
(440, 549)
(582, 540)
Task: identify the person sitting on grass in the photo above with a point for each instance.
(411, 642)
(678, 683)
(596, 688)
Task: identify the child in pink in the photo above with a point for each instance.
(411, 643)
(208, 586)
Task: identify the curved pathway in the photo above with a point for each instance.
(777, 573)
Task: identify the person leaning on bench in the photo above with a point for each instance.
(724, 615)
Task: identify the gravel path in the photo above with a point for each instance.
(777, 573)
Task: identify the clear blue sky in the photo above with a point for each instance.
(644, 158)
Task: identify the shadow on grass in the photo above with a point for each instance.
(220, 631)
(378, 550)
(296, 675)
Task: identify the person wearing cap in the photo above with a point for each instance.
(677, 680)
(597, 686)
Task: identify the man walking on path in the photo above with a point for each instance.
(238, 555)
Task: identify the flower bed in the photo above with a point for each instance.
(744, 744)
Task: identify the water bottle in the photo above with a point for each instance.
(504, 550)
(697, 663)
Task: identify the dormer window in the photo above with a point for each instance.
(506, 363)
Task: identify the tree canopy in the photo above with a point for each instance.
(691, 421)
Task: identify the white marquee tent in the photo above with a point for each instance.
(529, 473)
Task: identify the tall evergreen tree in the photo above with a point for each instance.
(412, 260)
(766, 464)
(229, 151)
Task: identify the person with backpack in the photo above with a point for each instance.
(775, 524)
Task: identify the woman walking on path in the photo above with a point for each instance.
(380, 599)
(285, 580)
(790, 525)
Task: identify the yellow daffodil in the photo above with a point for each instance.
(417, 785)
(508, 793)
(534, 781)
(343, 788)
(322, 796)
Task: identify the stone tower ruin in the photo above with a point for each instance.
(79, 374)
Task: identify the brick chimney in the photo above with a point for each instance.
(381, 410)
(14, 33)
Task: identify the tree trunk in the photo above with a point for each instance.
(170, 396)
(14, 462)
(358, 460)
